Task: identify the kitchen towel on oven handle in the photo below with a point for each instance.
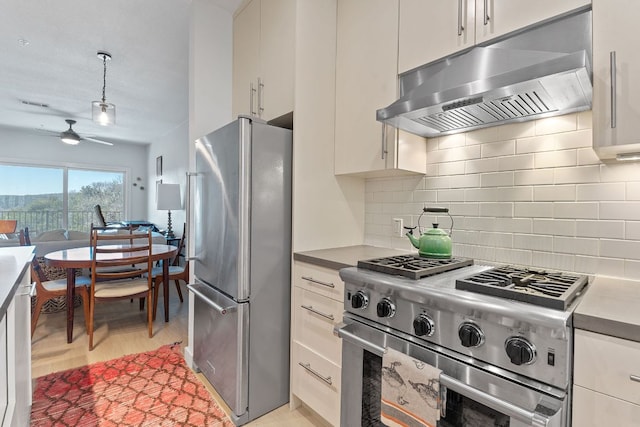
(410, 391)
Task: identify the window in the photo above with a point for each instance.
(49, 198)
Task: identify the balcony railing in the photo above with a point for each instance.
(39, 221)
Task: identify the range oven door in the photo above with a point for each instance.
(474, 396)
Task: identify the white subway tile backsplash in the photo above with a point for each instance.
(451, 141)
(496, 209)
(497, 179)
(516, 130)
(584, 120)
(600, 228)
(553, 193)
(554, 261)
(465, 181)
(532, 194)
(620, 210)
(632, 231)
(451, 195)
(533, 210)
(583, 210)
(555, 159)
(572, 245)
(482, 135)
(605, 191)
(533, 177)
(555, 227)
(481, 165)
(620, 172)
(627, 249)
(451, 168)
(577, 175)
(502, 148)
(533, 242)
(521, 161)
(556, 124)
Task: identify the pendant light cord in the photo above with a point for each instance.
(104, 78)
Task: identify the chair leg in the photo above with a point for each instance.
(141, 304)
(91, 314)
(156, 291)
(36, 314)
(179, 291)
(150, 313)
(85, 302)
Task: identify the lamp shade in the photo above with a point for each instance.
(169, 197)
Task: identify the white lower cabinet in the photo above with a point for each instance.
(316, 353)
(606, 381)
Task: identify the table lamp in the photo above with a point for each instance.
(169, 198)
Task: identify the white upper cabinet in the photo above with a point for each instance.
(434, 29)
(263, 58)
(366, 80)
(616, 78)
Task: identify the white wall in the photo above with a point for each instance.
(24, 147)
(530, 193)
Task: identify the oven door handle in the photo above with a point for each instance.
(529, 418)
(344, 331)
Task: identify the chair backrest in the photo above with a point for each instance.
(181, 243)
(108, 252)
(98, 211)
(112, 230)
(8, 225)
(36, 271)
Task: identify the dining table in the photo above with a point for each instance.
(82, 257)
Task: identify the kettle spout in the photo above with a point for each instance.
(415, 242)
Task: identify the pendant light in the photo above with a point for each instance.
(103, 112)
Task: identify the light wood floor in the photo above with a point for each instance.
(126, 333)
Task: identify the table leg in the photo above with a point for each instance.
(165, 285)
(71, 287)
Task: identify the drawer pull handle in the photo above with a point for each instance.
(634, 378)
(319, 313)
(311, 279)
(307, 366)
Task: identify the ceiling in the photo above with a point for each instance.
(49, 56)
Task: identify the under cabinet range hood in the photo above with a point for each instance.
(542, 72)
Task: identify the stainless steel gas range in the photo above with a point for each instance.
(501, 335)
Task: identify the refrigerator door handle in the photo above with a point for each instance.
(213, 304)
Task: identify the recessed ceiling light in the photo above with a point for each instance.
(23, 42)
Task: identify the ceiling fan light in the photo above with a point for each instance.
(103, 113)
(70, 139)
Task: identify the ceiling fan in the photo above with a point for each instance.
(71, 137)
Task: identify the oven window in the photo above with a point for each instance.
(460, 410)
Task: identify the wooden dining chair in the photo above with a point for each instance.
(110, 280)
(8, 225)
(48, 289)
(177, 272)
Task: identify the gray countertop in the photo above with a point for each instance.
(347, 256)
(611, 306)
(14, 263)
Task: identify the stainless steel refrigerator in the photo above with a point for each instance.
(242, 238)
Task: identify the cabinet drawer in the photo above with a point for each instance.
(592, 409)
(315, 317)
(607, 364)
(324, 281)
(310, 383)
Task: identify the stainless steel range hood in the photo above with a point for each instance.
(542, 72)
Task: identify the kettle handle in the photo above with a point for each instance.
(437, 210)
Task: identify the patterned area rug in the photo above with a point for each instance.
(146, 389)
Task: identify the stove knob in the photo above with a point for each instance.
(423, 325)
(359, 300)
(386, 308)
(520, 351)
(470, 335)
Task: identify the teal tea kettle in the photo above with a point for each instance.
(435, 242)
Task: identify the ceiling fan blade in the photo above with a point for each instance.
(99, 141)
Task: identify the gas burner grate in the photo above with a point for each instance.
(550, 289)
(413, 266)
